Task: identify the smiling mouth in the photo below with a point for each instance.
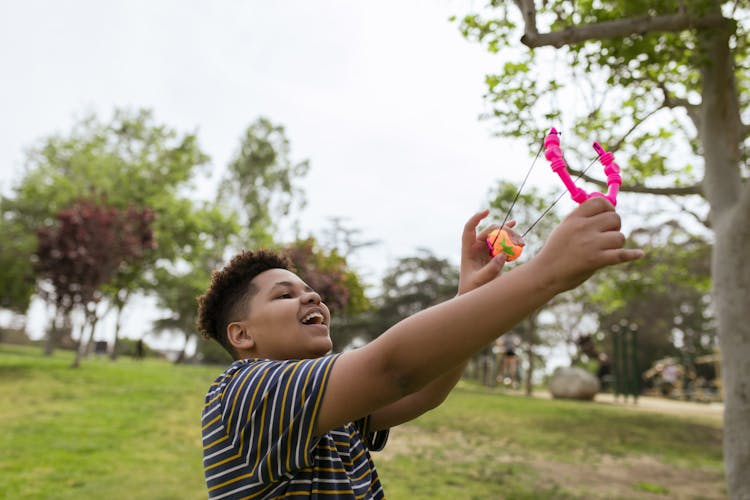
(313, 318)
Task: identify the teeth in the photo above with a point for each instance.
(309, 317)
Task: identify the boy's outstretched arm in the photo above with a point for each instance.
(422, 347)
(477, 268)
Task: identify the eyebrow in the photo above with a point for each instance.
(291, 285)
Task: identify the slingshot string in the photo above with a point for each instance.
(518, 193)
(557, 199)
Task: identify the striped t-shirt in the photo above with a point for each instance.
(257, 427)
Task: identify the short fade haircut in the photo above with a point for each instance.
(230, 290)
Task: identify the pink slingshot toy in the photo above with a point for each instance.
(498, 241)
(554, 155)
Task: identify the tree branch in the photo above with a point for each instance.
(640, 188)
(636, 123)
(528, 11)
(611, 29)
(705, 221)
(692, 110)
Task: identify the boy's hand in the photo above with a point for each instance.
(477, 266)
(587, 240)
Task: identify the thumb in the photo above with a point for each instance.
(491, 270)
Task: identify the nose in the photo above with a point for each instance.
(311, 298)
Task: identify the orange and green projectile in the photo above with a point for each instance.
(498, 241)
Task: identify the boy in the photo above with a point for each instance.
(289, 419)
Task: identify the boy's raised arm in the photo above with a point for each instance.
(423, 347)
(477, 268)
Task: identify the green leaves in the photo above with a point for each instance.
(618, 90)
(16, 271)
(665, 294)
(263, 183)
(131, 165)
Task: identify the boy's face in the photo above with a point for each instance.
(286, 318)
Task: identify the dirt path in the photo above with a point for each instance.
(657, 405)
(607, 477)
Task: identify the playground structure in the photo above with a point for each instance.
(625, 373)
(697, 379)
(620, 372)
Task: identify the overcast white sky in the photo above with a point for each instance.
(382, 97)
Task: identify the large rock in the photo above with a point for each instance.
(573, 383)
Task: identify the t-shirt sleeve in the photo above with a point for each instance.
(271, 408)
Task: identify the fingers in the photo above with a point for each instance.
(630, 254)
(621, 255)
(491, 270)
(474, 220)
(486, 232)
(516, 238)
(469, 233)
(594, 206)
(611, 240)
(606, 221)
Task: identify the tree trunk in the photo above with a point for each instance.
(181, 357)
(731, 288)
(79, 347)
(720, 135)
(83, 347)
(118, 324)
(530, 371)
(532, 328)
(61, 326)
(489, 367)
(51, 340)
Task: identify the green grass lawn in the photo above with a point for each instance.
(131, 429)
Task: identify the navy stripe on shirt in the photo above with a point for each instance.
(257, 426)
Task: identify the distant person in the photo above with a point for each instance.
(509, 342)
(604, 365)
(290, 419)
(604, 370)
(669, 377)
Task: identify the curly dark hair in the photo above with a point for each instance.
(230, 290)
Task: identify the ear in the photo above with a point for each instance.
(239, 336)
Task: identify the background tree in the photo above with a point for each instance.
(16, 269)
(176, 297)
(262, 181)
(666, 296)
(85, 248)
(345, 239)
(529, 206)
(132, 161)
(178, 285)
(667, 82)
(409, 286)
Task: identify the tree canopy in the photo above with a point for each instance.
(663, 84)
(262, 181)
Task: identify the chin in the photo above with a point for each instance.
(323, 349)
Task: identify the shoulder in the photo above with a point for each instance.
(261, 376)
